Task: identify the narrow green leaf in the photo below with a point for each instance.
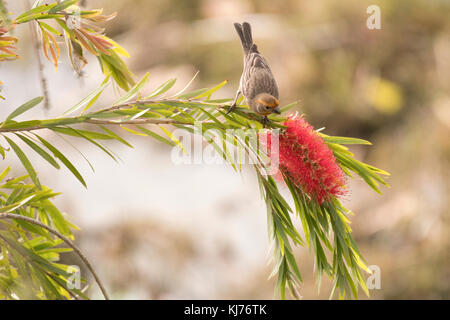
(174, 139)
(4, 173)
(39, 16)
(133, 91)
(2, 152)
(187, 86)
(63, 5)
(57, 218)
(39, 9)
(63, 159)
(90, 97)
(288, 107)
(26, 163)
(166, 86)
(16, 205)
(156, 136)
(75, 133)
(209, 92)
(24, 108)
(79, 133)
(139, 114)
(344, 140)
(44, 154)
(116, 136)
(192, 94)
(133, 131)
(50, 28)
(21, 125)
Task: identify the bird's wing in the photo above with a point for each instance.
(258, 77)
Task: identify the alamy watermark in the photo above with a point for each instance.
(374, 280)
(73, 21)
(74, 280)
(374, 19)
(235, 146)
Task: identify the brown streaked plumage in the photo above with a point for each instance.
(257, 84)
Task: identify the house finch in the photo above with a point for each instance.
(257, 82)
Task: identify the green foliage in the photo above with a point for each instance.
(29, 253)
(32, 228)
(325, 226)
(81, 32)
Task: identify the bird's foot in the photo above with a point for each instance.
(265, 121)
(231, 108)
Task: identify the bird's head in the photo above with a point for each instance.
(266, 104)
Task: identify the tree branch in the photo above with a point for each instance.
(160, 101)
(86, 119)
(65, 239)
(137, 122)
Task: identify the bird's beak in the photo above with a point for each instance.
(276, 110)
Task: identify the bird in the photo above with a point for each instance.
(257, 85)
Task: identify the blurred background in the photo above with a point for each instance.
(156, 230)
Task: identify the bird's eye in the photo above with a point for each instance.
(267, 107)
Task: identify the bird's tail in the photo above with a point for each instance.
(245, 33)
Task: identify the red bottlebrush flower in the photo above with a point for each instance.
(308, 162)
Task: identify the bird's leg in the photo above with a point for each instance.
(234, 102)
(265, 121)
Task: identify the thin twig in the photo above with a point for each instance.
(160, 101)
(37, 49)
(33, 128)
(90, 118)
(65, 239)
(136, 122)
(102, 122)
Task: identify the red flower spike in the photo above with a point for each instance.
(308, 162)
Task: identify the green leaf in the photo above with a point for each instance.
(174, 139)
(16, 205)
(39, 9)
(133, 131)
(91, 103)
(120, 72)
(209, 92)
(4, 173)
(21, 125)
(58, 220)
(139, 114)
(133, 91)
(26, 163)
(79, 133)
(78, 150)
(63, 159)
(34, 229)
(291, 260)
(75, 133)
(156, 136)
(44, 154)
(192, 94)
(39, 16)
(344, 140)
(24, 108)
(63, 5)
(89, 98)
(288, 107)
(187, 86)
(116, 136)
(166, 86)
(50, 28)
